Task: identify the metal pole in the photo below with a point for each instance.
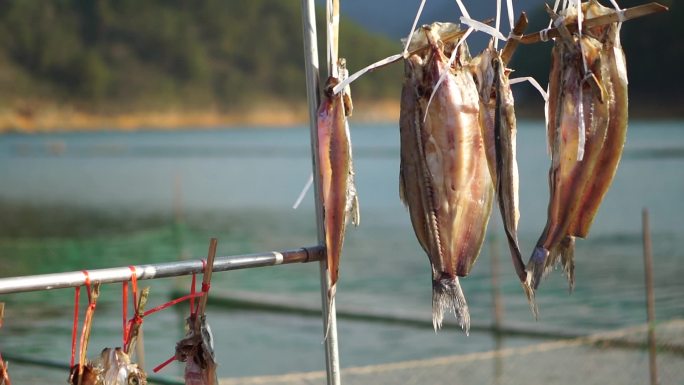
(332, 363)
(161, 270)
(650, 298)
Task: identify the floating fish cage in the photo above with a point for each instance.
(561, 357)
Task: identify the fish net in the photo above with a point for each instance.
(618, 357)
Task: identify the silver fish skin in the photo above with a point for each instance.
(577, 186)
(497, 118)
(444, 177)
(340, 200)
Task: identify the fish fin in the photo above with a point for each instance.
(537, 265)
(566, 250)
(447, 295)
(355, 212)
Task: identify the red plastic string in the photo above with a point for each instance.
(124, 313)
(126, 323)
(173, 302)
(164, 364)
(77, 292)
(205, 287)
(87, 284)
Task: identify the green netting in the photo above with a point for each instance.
(598, 359)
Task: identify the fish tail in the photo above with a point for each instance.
(537, 265)
(566, 249)
(447, 295)
(529, 293)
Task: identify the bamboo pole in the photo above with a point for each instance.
(613, 17)
(154, 271)
(206, 279)
(332, 363)
(650, 298)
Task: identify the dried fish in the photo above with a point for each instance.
(586, 131)
(196, 349)
(340, 201)
(497, 118)
(113, 367)
(444, 176)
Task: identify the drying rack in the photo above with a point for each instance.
(235, 262)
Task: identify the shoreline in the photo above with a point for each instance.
(56, 119)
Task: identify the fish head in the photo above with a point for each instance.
(482, 68)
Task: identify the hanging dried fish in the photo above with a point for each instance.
(340, 201)
(113, 366)
(196, 349)
(497, 118)
(444, 177)
(587, 127)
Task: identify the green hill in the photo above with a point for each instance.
(124, 56)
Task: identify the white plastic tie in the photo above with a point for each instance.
(302, 194)
(534, 83)
(497, 22)
(388, 60)
(413, 28)
(544, 34)
(558, 21)
(463, 9)
(509, 8)
(513, 36)
(482, 27)
(621, 16)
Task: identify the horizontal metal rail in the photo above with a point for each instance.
(160, 270)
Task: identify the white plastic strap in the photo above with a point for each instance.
(513, 36)
(534, 83)
(555, 10)
(509, 7)
(544, 34)
(388, 60)
(463, 9)
(482, 27)
(302, 194)
(497, 22)
(413, 28)
(559, 21)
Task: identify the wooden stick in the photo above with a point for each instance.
(650, 298)
(141, 301)
(206, 277)
(514, 38)
(613, 17)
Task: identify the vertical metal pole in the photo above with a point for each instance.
(650, 298)
(332, 363)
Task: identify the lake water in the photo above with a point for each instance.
(239, 185)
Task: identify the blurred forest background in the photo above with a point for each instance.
(108, 58)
